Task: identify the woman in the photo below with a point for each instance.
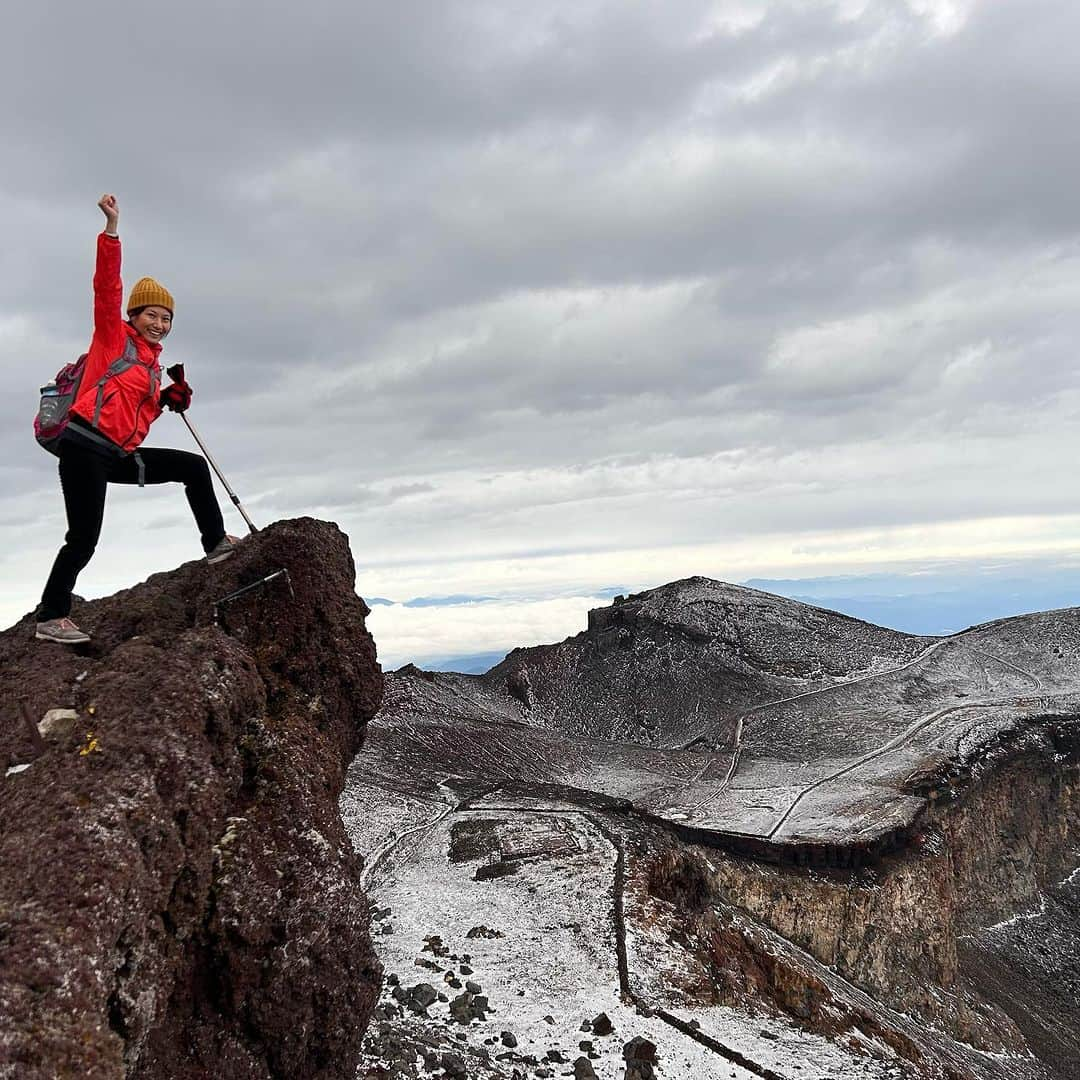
(108, 421)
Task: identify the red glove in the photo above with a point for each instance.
(176, 396)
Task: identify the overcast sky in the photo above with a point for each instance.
(536, 300)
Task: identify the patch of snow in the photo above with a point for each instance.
(1024, 916)
(556, 958)
(316, 838)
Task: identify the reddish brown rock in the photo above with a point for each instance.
(178, 898)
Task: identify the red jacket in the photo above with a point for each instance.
(129, 405)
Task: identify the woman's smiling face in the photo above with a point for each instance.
(153, 323)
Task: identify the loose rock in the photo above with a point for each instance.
(639, 1049)
(601, 1025)
(482, 931)
(58, 724)
(452, 1064)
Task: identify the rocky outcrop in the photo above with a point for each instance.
(178, 896)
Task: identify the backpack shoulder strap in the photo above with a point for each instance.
(129, 358)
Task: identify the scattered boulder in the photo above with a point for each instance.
(467, 1007)
(418, 998)
(601, 1025)
(453, 1064)
(583, 1069)
(640, 1049)
(640, 1057)
(434, 944)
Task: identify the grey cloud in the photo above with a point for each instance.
(385, 227)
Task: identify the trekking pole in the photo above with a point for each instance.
(224, 483)
(176, 373)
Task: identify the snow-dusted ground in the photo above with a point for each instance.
(555, 964)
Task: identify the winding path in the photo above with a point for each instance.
(892, 744)
(919, 725)
(380, 854)
(737, 752)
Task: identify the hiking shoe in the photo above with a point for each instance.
(63, 631)
(225, 548)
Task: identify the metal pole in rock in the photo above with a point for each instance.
(35, 734)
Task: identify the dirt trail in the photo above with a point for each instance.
(734, 765)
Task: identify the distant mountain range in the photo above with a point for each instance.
(936, 601)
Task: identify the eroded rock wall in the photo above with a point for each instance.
(178, 896)
(895, 930)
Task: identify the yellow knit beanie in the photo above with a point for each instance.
(147, 291)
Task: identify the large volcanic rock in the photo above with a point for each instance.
(178, 897)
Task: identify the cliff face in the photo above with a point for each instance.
(919, 934)
(178, 896)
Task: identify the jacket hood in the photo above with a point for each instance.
(148, 350)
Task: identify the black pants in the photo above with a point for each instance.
(84, 476)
